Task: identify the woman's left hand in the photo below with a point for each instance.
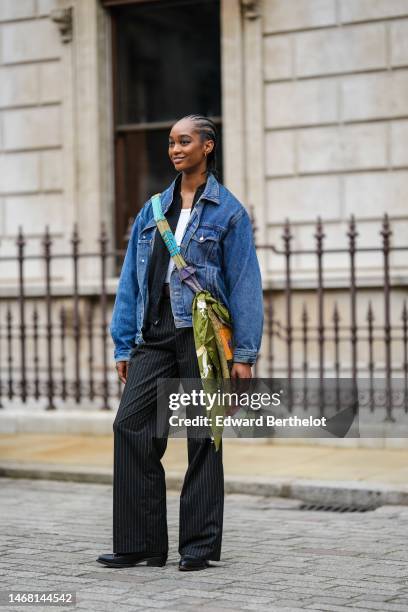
(241, 370)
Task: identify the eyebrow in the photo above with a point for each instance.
(182, 136)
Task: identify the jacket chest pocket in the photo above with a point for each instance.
(144, 247)
(145, 242)
(203, 246)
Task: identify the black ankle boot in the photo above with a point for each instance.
(192, 564)
(132, 559)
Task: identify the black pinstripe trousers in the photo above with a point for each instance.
(139, 489)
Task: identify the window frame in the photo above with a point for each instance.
(111, 3)
(122, 229)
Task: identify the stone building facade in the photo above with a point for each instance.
(314, 103)
(55, 166)
(314, 116)
(335, 91)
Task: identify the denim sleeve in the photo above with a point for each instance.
(244, 286)
(123, 325)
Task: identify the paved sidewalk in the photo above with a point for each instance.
(275, 557)
(241, 458)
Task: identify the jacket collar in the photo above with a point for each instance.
(211, 192)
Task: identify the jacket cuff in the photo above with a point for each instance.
(124, 356)
(245, 356)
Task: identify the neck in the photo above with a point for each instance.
(190, 182)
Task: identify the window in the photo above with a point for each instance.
(166, 64)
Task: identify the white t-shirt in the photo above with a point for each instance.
(178, 234)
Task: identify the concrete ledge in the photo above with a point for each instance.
(74, 421)
(43, 471)
(313, 491)
(24, 420)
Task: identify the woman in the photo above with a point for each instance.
(153, 335)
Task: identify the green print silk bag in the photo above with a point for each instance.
(211, 323)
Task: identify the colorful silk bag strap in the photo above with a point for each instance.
(186, 272)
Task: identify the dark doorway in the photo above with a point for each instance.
(166, 64)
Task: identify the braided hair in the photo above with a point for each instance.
(207, 130)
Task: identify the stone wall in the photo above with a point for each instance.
(336, 119)
(55, 131)
(31, 140)
(315, 122)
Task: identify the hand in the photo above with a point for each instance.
(241, 370)
(122, 370)
(241, 373)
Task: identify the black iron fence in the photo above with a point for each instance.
(55, 345)
(367, 342)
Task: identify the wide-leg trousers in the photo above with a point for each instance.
(139, 489)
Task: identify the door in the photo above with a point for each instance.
(166, 64)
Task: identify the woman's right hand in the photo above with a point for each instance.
(122, 369)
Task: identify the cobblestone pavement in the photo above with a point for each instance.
(275, 557)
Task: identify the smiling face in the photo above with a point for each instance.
(187, 150)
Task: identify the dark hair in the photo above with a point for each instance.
(207, 130)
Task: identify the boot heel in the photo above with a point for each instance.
(157, 561)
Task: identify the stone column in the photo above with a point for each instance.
(242, 94)
(88, 126)
(254, 118)
(233, 98)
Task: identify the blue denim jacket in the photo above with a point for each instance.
(218, 242)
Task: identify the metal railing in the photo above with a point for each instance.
(355, 343)
(55, 345)
(50, 331)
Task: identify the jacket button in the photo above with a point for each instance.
(142, 260)
(201, 237)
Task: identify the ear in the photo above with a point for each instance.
(208, 146)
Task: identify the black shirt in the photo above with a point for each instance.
(160, 258)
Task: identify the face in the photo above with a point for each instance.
(186, 149)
